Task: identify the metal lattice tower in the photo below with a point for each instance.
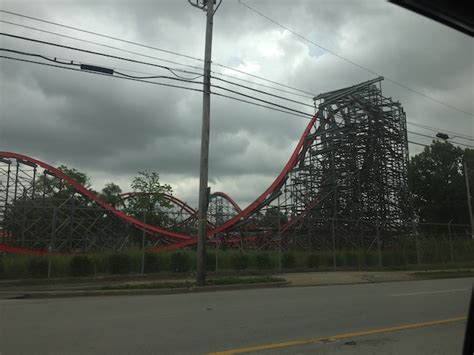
(362, 159)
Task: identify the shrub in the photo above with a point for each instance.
(38, 267)
(240, 261)
(120, 264)
(393, 258)
(262, 261)
(152, 263)
(211, 262)
(351, 259)
(81, 265)
(370, 259)
(327, 259)
(339, 259)
(180, 262)
(411, 257)
(288, 261)
(2, 268)
(312, 261)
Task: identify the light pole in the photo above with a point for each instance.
(468, 191)
(208, 6)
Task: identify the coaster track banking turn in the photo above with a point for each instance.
(269, 195)
(175, 239)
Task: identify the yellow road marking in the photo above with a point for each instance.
(290, 343)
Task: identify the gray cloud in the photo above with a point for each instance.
(112, 128)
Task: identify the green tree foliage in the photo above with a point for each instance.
(55, 188)
(272, 217)
(438, 183)
(111, 194)
(150, 198)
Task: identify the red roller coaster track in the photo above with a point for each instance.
(261, 199)
(177, 240)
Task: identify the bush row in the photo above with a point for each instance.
(18, 266)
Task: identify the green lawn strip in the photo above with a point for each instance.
(232, 280)
(186, 284)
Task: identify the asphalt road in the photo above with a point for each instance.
(227, 320)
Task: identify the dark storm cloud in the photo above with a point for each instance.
(113, 128)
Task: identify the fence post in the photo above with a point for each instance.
(143, 244)
(217, 252)
(51, 244)
(378, 243)
(333, 242)
(417, 245)
(450, 241)
(279, 236)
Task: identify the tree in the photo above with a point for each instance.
(111, 194)
(272, 218)
(438, 185)
(150, 198)
(53, 188)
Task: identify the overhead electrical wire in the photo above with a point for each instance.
(457, 134)
(437, 130)
(282, 109)
(155, 65)
(100, 54)
(141, 78)
(174, 69)
(155, 58)
(93, 72)
(434, 138)
(424, 145)
(155, 48)
(353, 62)
(215, 63)
(237, 70)
(138, 79)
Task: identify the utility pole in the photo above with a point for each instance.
(468, 191)
(204, 165)
(469, 199)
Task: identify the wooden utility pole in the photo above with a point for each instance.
(469, 200)
(204, 165)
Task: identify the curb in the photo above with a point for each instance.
(163, 291)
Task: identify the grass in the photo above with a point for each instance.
(234, 280)
(149, 286)
(434, 254)
(230, 280)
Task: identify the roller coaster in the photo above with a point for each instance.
(346, 175)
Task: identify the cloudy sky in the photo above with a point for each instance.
(111, 128)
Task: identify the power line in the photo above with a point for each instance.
(107, 75)
(434, 129)
(138, 79)
(101, 35)
(155, 65)
(437, 130)
(282, 109)
(434, 138)
(424, 145)
(157, 58)
(98, 53)
(352, 62)
(155, 48)
(262, 92)
(99, 44)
